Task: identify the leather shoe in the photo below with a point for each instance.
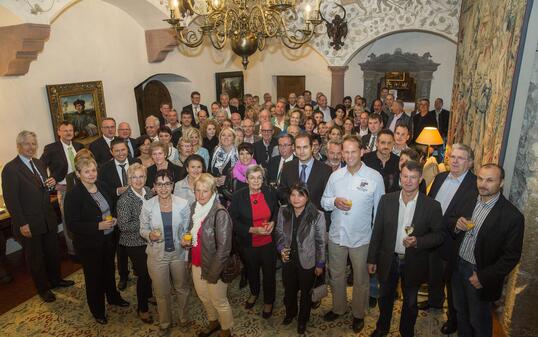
(47, 296)
(209, 330)
(357, 325)
(448, 328)
(102, 320)
(378, 333)
(267, 314)
(122, 284)
(63, 284)
(120, 303)
(330, 316)
(301, 328)
(250, 305)
(287, 320)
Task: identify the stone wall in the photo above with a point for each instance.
(519, 316)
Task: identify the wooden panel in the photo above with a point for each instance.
(287, 84)
(149, 101)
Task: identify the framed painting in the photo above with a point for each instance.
(81, 104)
(231, 83)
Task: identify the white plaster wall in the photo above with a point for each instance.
(94, 40)
(442, 50)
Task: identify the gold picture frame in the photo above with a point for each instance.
(81, 104)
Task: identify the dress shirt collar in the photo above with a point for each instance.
(126, 162)
(410, 202)
(459, 179)
(309, 163)
(491, 202)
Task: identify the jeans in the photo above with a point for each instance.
(387, 296)
(474, 315)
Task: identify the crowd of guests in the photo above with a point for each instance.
(339, 194)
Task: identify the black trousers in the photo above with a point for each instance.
(99, 272)
(43, 259)
(439, 277)
(263, 258)
(297, 279)
(139, 258)
(121, 257)
(387, 296)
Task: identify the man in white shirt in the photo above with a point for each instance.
(328, 111)
(401, 137)
(285, 151)
(352, 194)
(248, 130)
(407, 225)
(362, 128)
(152, 127)
(280, 116)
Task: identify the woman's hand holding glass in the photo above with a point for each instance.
(285, 254)
(108, 223)
(155, 235)
(186, 240)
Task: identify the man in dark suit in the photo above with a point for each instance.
(263, 149)
(488, 246)
(377, 108)
(113, 174)
(406, 225)
(59, 158)
(124, 132)
(225, 105)
(304, 169)
(456, 192)
(423, 118)
(164, 109)
(26, 194)
(285, 151)
(328, 111)
(101, 146)
(443, 117)
(194, 107)
(397, 116)
(375, 124)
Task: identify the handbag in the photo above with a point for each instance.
(232, 266)
(319, 289)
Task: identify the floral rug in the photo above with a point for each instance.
(69, 316)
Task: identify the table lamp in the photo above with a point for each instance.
(429, 136)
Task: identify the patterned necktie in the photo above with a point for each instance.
(123, 175)
(36, 174)
(302, 176)
(71, 156)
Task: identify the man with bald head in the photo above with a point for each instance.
(265, 116)
(263, 149)
(101, 146)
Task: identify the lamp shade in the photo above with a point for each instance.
(430, 136)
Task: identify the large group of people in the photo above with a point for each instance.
(342, 194)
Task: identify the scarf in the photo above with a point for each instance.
(200, 213)
(221, 158)
(240, 170)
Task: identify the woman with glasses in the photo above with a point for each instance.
(129, 207)
(163, 221)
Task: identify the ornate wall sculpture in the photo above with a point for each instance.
(485, 61)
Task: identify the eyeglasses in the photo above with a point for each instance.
(161, 185)
(138, 177)
(267, 130)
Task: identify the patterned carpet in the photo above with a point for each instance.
(69, 316)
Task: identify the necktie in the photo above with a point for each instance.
(279, 171)
(36, 174)
(71, 156)
(131, 151)
(372, 142)
(123, 175)
(302, 176)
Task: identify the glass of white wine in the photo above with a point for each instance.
(409, 229)
(349, 203)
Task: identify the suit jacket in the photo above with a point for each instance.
(311, 242)
(82, 216)
(498, 247)
(331, 109)
(101, 151)
(427, 230)
(317, 180)
(190, 109)
(272, 169)
(27, 201)
(365, 140)
(260, 154)
(55, 159)
(241, 212)
(444, 120)
(403, 120)
(134, 144)
(108, 175)
(462, 204)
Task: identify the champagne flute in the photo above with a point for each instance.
(157, 232)
(349, 203)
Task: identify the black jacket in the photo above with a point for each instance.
(55, 159)
(261, 155)
(189, 109)
(427, 230)
(177, 172)
(27, 201)
(272, 169)
(498, 247)
(108, 175)
(461, 205)
(444, 120)
(241, 212)
(100, 150)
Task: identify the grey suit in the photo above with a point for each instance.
(310, 238)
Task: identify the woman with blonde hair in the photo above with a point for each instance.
(223, 160)
(211, 231)
(195, 136)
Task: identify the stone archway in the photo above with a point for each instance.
(421, 68)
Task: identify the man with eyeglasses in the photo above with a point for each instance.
(263, 149)
(124, 132)
(101, 146)
(456, 191)
(285, 150)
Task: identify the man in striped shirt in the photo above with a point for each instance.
(488, 247)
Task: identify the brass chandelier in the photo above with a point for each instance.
(246, 23)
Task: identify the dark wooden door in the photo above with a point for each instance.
(287, 84)
(149, 99)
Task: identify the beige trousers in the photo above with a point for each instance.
(214, 298)
(165, 273)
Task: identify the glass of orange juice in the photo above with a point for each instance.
(108, 217)
(187, 237)
(470, 224)
(349, 203)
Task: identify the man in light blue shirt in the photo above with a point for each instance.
(352, 194)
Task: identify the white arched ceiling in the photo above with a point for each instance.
(367, 20)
